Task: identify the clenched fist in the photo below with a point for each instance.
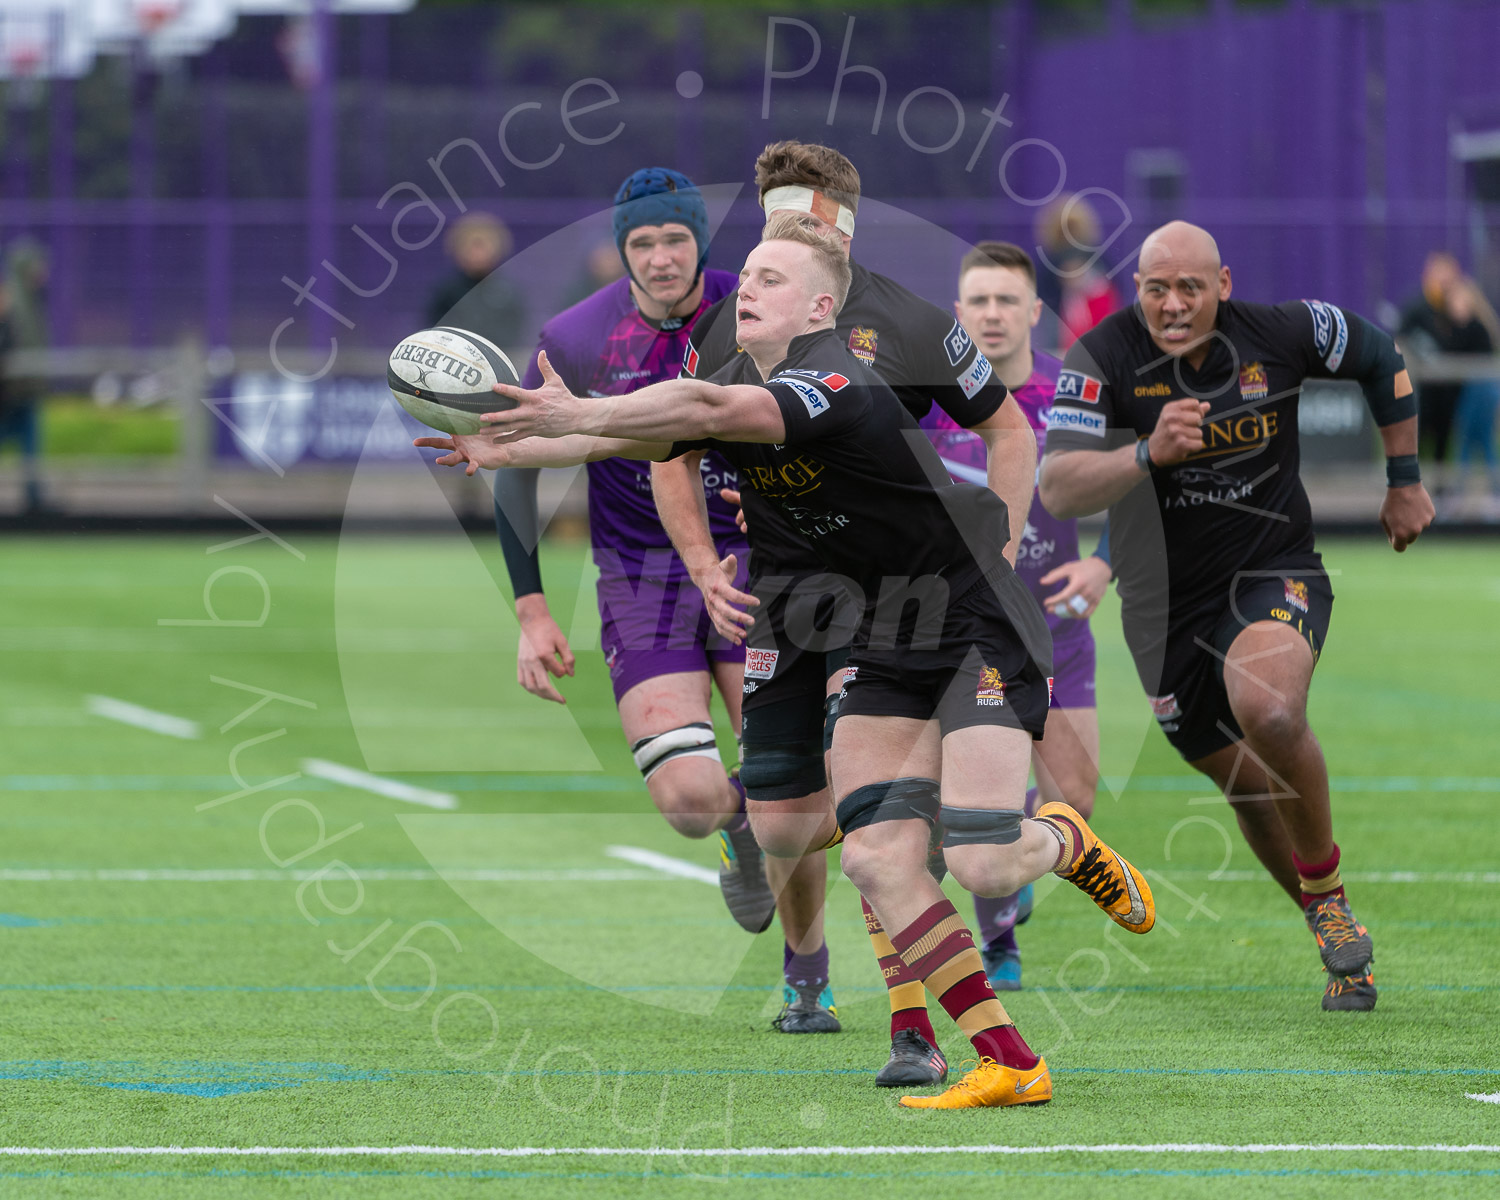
(1178, 432)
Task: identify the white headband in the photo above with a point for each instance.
(808, 200)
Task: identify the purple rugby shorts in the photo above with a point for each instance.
(653, 627)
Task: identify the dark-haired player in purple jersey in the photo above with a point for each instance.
(659, 645)
(998, 305)
(1180, 415)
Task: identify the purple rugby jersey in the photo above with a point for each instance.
(602, 346)
(1048, 541)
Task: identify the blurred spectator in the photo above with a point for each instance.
(602, 266)
(23, 326)
(1071, 279)
(1477, 398)
(1428, 327)
(476, 296)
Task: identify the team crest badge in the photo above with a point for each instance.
(1254, 384)
(1296, 594)
(863, 342)
(991, 690)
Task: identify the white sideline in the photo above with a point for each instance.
(393, 788)
(1486, 1097)
(731, 1151)
(1353, 876)
(142, 718)
(367, 874)
(664, 862)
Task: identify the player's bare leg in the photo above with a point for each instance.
(667, 722)
(1066, 764)
(1066, 761)
(885, 770)
(1248, 788)
(687, 782)
(1266, 675)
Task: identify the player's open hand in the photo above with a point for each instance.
(730, 496)
(543, 649)
(720, 597)
(1178, 432)
(470, 451)
(1407, 511)
(548, 411)
(1084, 581)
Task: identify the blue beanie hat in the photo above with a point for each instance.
(660, 196)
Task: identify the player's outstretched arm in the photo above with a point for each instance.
(492, 451)
(677, 410)
(1011, 466)
(678, 488)
(1075, 483)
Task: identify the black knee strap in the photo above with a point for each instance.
(782, 770)
(980, 826)
(892, 800)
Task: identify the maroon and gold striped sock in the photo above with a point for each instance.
(1319, 880)
(1071, 838)
(907, 995)
(939, 949)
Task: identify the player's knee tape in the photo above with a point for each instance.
(980, 826)
(782, 770)
(892, 800)
(688, 741)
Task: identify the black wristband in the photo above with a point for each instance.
(1143, 455)
(1401, 470)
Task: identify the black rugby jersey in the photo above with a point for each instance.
(921, 352)
(857, 483)
(1238, 504)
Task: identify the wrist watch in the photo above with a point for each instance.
(1143, 455)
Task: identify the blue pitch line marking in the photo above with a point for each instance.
(253, 988)
(17, 921)
(270, 1074)
(190, 1077)
(641, 1176)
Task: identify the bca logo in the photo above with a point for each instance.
(956, 344)
(1075, 385)
(832, 380)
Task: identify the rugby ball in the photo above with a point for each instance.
(443, 377)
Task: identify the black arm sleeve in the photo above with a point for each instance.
(1340, 344)
(519, 528)
(1375, 363)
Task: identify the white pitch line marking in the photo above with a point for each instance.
(1355, 876)
(142, 718)
(663, 862)
(368, 875)
(393, 788)
(925, 1149)
(1485, 1097)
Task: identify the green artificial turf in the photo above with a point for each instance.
(548, 995)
